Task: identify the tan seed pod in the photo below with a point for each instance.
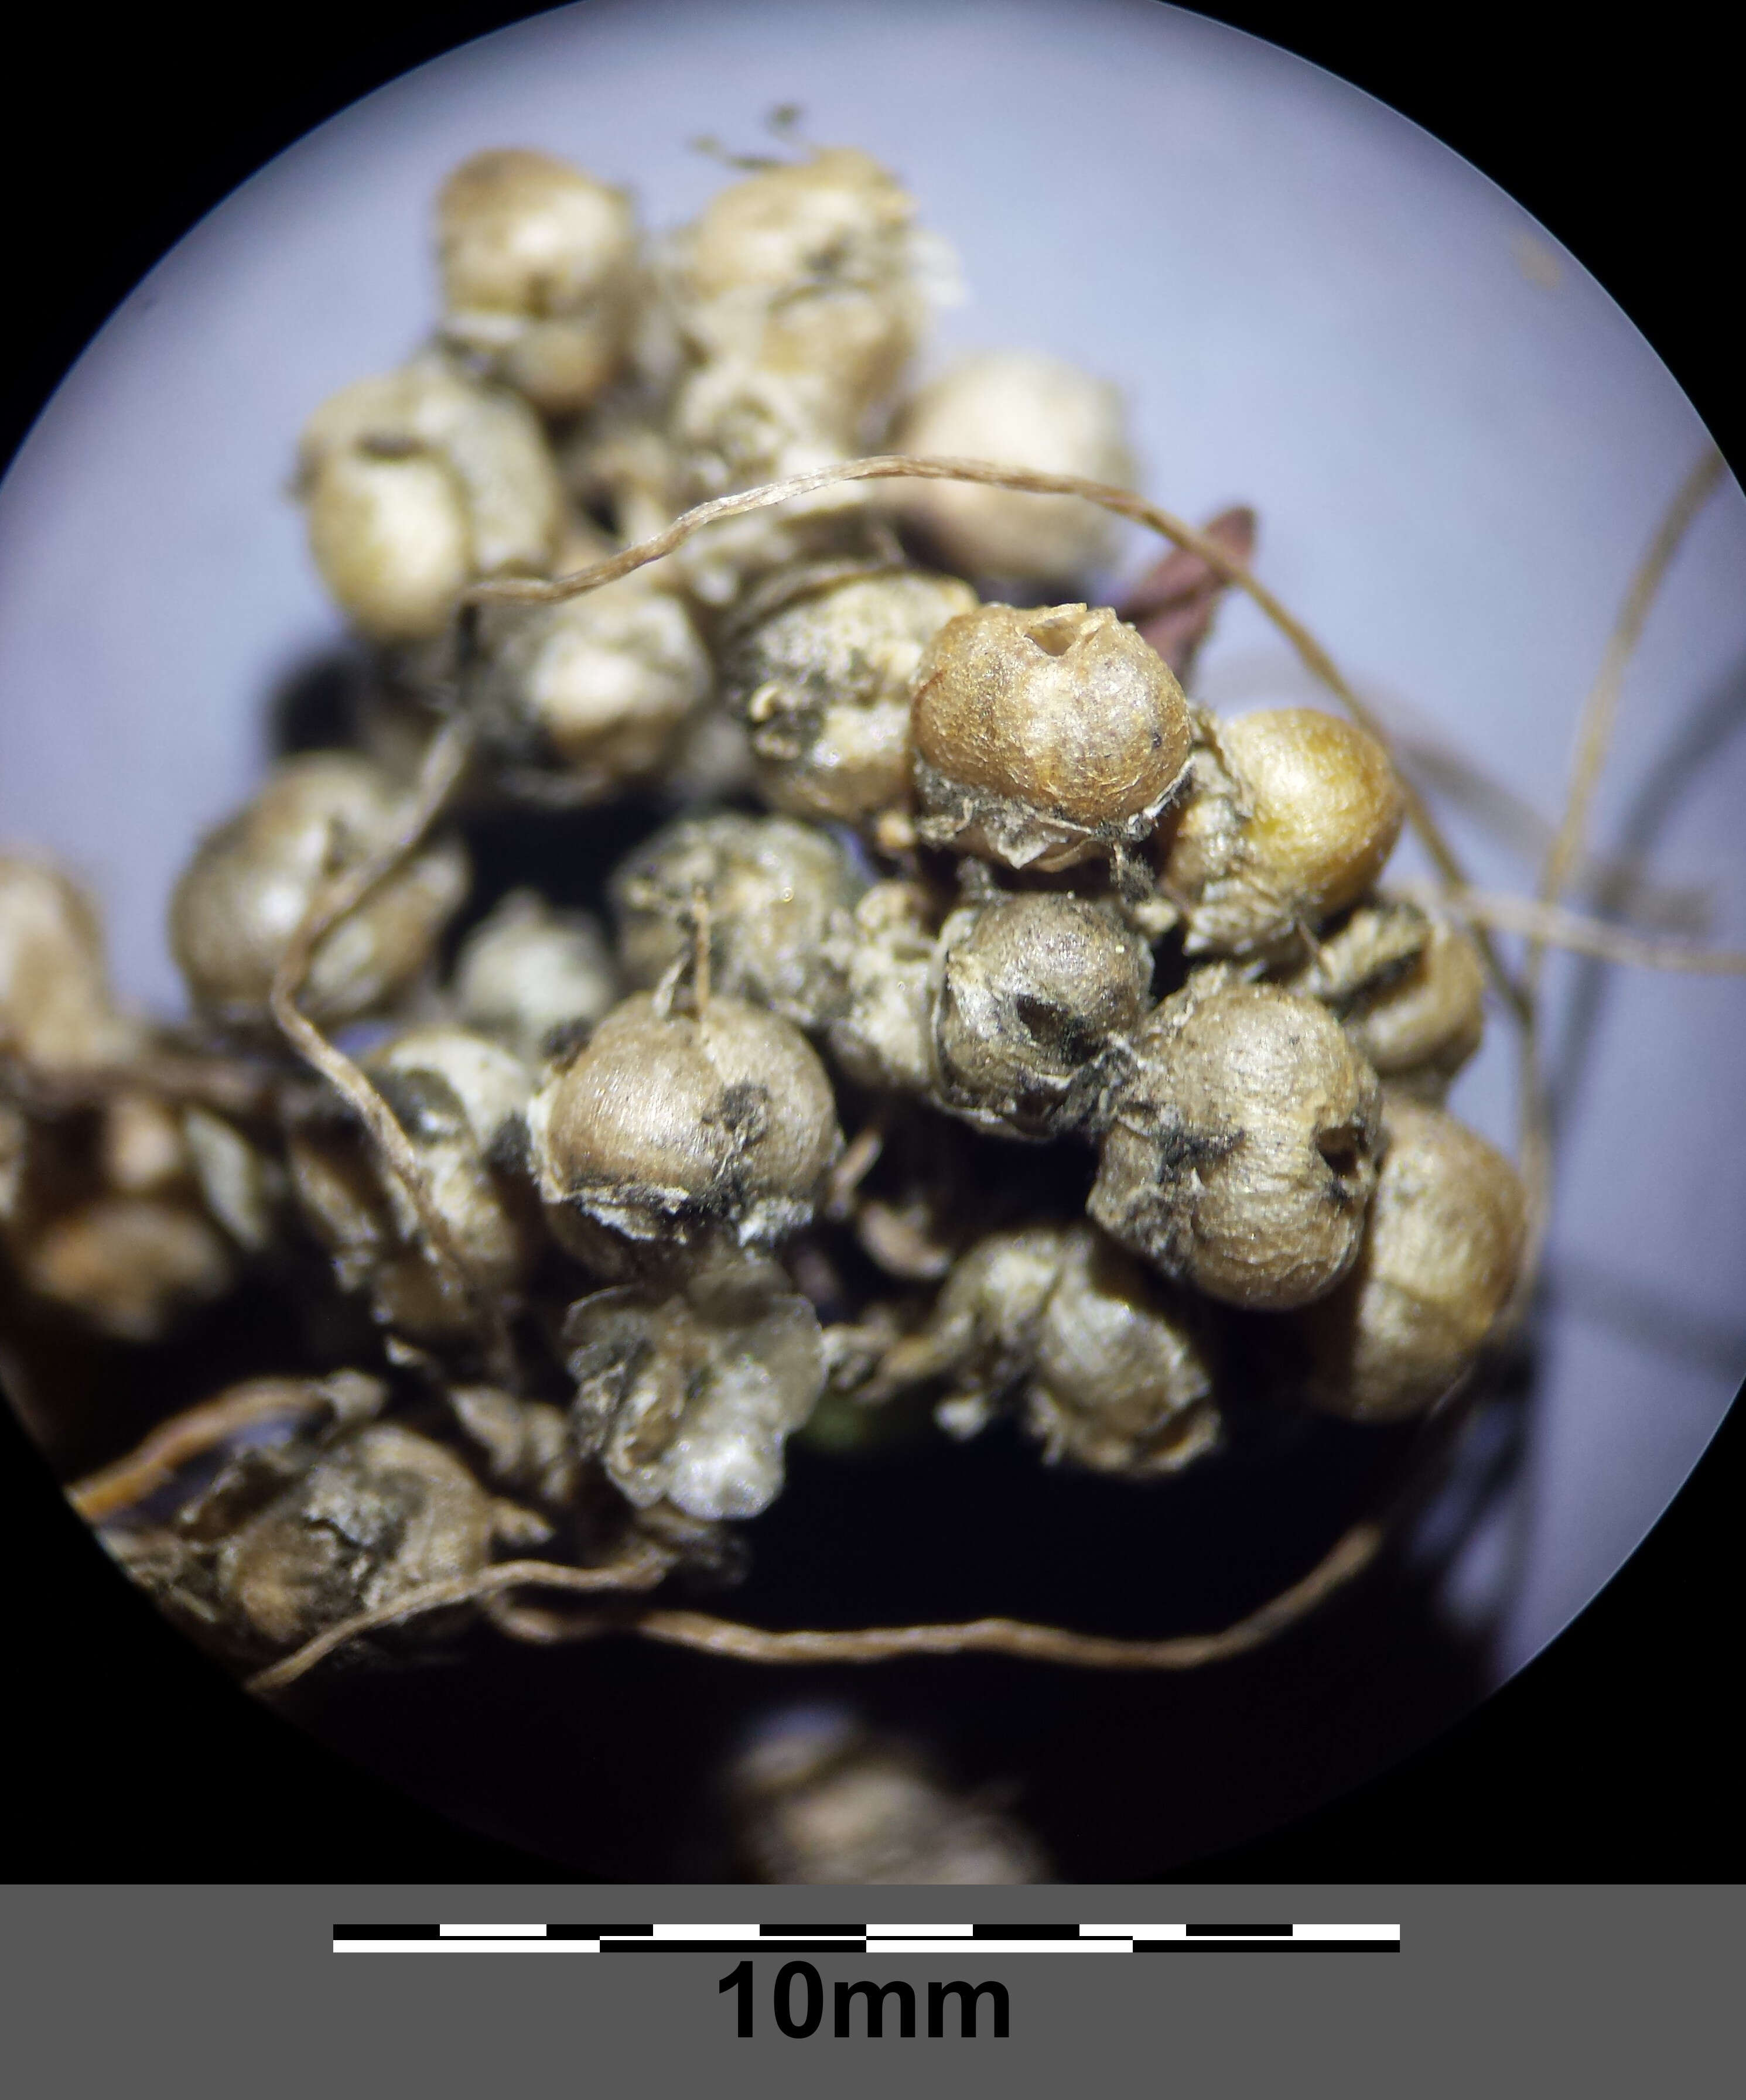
(773, 889)
(1033, 989)
(57, 1012)
(1439, 1261)
(1044, 738)
(1419, 1027)
(1289, 816)
(130, 1266)
(822, 681)
(418, 483)
(382, 1514)
(460, 1098)
(1240, 1153)
(536, 978)
(539, 271)
(672, 1127)
(1123, 1381)
(813, 267)
(1015, 409)
(689, 1398)
(598, 690)
(252, 882)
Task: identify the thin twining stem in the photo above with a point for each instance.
(445, 761)
(144, 1470)
(1549, 925)
(1601, 709)
(642, 1573)
(738, 1641)
(1124, 503)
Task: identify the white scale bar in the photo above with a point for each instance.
(492, 1932)
(890, 1939)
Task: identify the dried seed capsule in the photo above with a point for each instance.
(1123, 1376)
(887, 961)
(1289, 816)
(460, 1099)
(1439, 1261)
(819, 1799)
(669, 1126)
(1044, 738)
(538, 978)
(812, 267)
(822, 679)
(773, 889)
(599, 689)
(418, 483)
(1015, 409)
(982, 1337)
(1032, 989)
(56, 1010)
(690, 1398)
(1241, 1150)
(251, 883)
(1419, 1026)
(380, 1516)
(539, 268)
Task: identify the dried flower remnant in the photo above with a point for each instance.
(418, 483)
(253, 882)
(1015, 409)
(1241, 1150)
(688, 1398)
(537, 978)
(668, 1127)
(1173, 604)
(771, 890)
(821, 674)
(1289, 816)
(460, 1098)
(1044, 737)
(1440, 1258)
(1034, 990)
(540, 275)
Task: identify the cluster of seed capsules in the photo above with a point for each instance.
(1141, 1073)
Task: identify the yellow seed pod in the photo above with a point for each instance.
(810, 267)
(1044, 738)
(57, 1009)
(821, 679)
(1289, 816)
(670, 1127)
(418, 484)
(251, 883)
(1015, 409)
(1123, 1380)
(1440, 1260)
(539, 274)
(1241, 1154)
